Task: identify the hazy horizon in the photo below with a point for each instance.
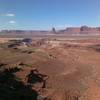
(51, 28)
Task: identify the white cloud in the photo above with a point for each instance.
(12, 22)
(10, 14)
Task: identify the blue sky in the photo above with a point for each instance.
(45, 14)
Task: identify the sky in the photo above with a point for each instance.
(45, 14)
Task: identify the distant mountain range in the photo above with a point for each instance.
(69, 30)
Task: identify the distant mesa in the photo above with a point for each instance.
(69, 30)
(84, 28)
(53, 30)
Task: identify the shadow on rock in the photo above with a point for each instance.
(35, 77)
(11, 88)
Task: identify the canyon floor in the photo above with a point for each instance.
(72, 66)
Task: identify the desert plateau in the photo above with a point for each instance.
(50, 68)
